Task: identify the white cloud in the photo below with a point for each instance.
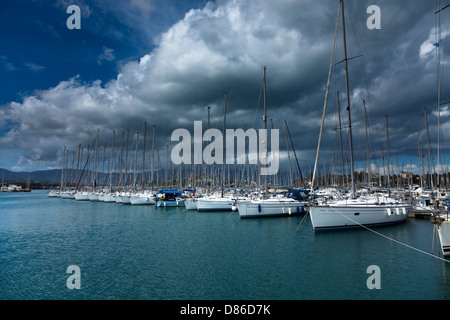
(33, 66)
(429, 46)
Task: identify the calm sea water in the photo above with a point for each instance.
(144, 252)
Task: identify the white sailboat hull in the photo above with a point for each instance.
(204, 205)
(126, 199)
(258, 209)
(53, 194)
(142, 200)
(66, 195)
(190, 204)
(109, 198)
(81, 196)
(332, 217)
(444, 237)
(94, 197)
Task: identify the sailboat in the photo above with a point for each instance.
(277, 205)
(442, 221)
(215, 202)
(356, 212)
(218, 202)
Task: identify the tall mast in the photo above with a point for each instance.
(121, 161)
(388, 151)
(289, 158)
(224, 135)
(367, 143)
(135, 161)
(112, 167)
(166, 175)
(207, 167)
(94, 166)
(62, 170)
(143, 154)
(126, 158)
(429, 150)
(340, 140)
(348, 104)
(325, 103)
(153, 153)
(78, 163)
(438, 95)
(265, 125)
(421, 160)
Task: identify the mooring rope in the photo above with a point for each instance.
(391, 239)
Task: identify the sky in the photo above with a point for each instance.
(163, 62)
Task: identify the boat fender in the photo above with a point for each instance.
(298, 209)
(289, 211)
(388, 211)
(397, 210)
(404, 210)
(259, 207)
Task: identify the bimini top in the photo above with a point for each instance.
(175, 192)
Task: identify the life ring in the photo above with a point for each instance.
(163, 197)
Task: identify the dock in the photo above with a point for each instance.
(421, 214)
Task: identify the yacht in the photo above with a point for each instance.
(362, 211)
(277, 206)
(368, 211)
(215, 203)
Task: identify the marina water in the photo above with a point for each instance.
(144, 252)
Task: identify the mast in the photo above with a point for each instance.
(143, 155)
(387, 151)
(224, 135)
(340, 140)
(62, 170)
(126, 159)
(135, 161)
(121, 161)
(420, 160)
(206, 167)
(166, 174)
(78, 163)
(429, 150)
(295, 154)
(367, 144)
(325, 103)
(153, 153)
(265, 125)
(289, 158)
(94, 165)
(438, 96)
(352, 166)
(112, 162)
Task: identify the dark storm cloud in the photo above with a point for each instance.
(222, 47)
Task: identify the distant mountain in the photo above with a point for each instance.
(52, 177)
(42, 176)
